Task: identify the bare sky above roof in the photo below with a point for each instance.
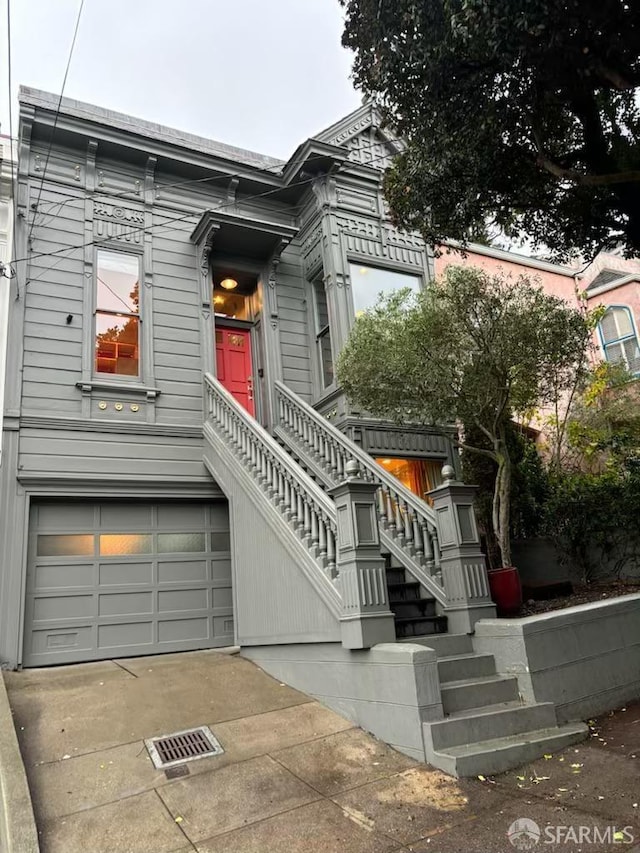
(256, 74)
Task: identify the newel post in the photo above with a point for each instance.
(366, 618)
(464, 572)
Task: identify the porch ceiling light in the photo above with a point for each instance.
(229, 283)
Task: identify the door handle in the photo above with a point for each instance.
(250, 387)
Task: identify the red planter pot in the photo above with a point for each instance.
(506, 590)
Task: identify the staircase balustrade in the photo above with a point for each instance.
(408, 525)
(302, 503)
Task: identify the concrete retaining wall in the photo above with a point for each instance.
(388, 690)
(18, 833)
(585, 659)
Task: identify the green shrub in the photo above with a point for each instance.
(594, 520)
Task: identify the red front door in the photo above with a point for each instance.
(233, 363)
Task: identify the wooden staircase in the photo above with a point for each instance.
(414, 614)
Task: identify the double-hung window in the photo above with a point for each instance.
(323, 333)
(368, 283)
(117, 314)
(619, 339)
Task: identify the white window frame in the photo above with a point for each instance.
(118, 377)
(320, 332)
(621, 340)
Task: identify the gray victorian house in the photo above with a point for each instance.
(180, 470)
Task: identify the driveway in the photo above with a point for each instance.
(293, 778)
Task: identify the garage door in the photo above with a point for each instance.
(114, 579)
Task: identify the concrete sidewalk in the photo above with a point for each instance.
(294, 776)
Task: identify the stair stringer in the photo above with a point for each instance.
(280, 594)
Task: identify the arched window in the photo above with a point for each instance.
(619, 338)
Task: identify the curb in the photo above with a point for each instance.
(18, 832)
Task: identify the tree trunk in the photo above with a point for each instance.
(502, 501)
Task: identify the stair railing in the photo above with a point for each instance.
(305, 507)
(408, 525)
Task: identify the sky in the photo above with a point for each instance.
(260, 74)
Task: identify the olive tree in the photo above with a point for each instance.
(473, 349)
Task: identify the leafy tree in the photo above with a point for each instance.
(600, 429)
(521, 112)
(473, 348)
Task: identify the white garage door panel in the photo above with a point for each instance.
(117, 579)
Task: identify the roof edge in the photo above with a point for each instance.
(141, 127)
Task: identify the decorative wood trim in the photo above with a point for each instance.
(123, 427)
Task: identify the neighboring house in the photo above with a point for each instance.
(180, 470)
(7, 175)
(611, 281)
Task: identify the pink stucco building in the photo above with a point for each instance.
(611, 281)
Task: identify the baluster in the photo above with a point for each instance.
(287, 498)
(398, 517)
(317, 537)
(408, 526)
(306, 530)
(436, 553)
(280, 491)
(418, 544)
(391, 522)
(331, 552)
(333, 459)
(426, 539)
(382, 506)
(299, 516)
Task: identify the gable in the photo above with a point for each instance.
(362, 135)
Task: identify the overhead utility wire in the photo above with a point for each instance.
(144, 230)
(57, 114)
(13, 165)
(158, 187)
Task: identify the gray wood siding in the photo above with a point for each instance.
(294, 331)
(176, 322)
(69, 452)
(55, 289)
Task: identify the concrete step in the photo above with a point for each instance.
(444, 644)
(477, 692)
(416, 608)
(505, 753)
(410, 626)
(460, 667)
(493, 721)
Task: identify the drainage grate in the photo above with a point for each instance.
(169, 750)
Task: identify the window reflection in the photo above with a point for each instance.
(367, 283)
(117, 308)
